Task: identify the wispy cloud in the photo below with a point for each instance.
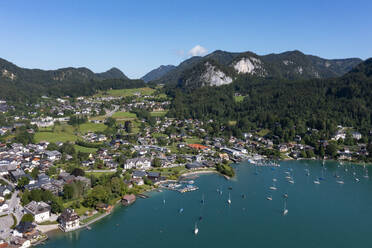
(197, 51)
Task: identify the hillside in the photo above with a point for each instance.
(19, 84)
(282, 103)
(158, 73)
(220, 67)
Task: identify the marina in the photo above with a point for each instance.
(171, 216)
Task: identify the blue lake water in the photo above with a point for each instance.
(325, 215)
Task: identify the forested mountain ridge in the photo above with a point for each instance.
(157, 73)
(220, 67)
(283, 105)
(20, 84)
(13, 73)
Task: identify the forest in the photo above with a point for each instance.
(286, 107)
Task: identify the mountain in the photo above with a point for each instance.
(287, 107)
(18, 83)
(113, 73)
(13, 73)
(221, 67)
(158, 73)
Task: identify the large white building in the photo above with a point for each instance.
(69, 220)
(139, 163)
(40, 211)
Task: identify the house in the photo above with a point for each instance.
(356, 135)
(283, 148)
(25, 230)
(128, 199)
(40, 211)
(3, 244)
(153, 176)
(5, 190)
(198, 147)
(139, 174)
(69, 220)
(193, 166)
(53, 155)
(142, 163)
(21, 242)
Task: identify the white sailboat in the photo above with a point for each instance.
(196, 229)
(285, 210)
(316, 181)
(269, 198)
(229, 200)
(273, 187)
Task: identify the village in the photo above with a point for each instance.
(56, 158)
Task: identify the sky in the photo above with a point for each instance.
(137, 36)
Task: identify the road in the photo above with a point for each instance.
(101, 171)
(7, 181)
(109, 114)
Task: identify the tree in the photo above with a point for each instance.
(156, 162)
(23, 181)
(128, 126)
(52, 171)
(52, 147)
(110, 122)
(68, 191)
(331, 149)
(369, 149)
(78, 172)
(35, 172)
(27, 218)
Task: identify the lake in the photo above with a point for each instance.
(328, 214)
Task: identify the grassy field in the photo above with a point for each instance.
(239, 98)
(61, 133)
(232, 123)
(193, 140)
(85, 149)
(79, 211)
(172, 173)
(98, 174)
(158, 113)
(157, 135)
(263, 132)
(129, 92)
(124, 115)
(91, 127)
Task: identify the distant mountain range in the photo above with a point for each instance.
(220, 67)
(158, 73)
(20, 84)
(9, 72)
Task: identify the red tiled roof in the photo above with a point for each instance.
(197, 146)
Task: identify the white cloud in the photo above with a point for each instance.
(198, 51)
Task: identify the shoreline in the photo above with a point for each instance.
(51, 229)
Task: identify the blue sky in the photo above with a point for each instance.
(137, 36)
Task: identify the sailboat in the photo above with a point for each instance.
(285, 210)
(202, 200)
(366, 175)
(181, 210)
(196, 229)
(229, 200)
(164, 201)
(269, 198)
(316, 181)
(273, 187)
(340, 182)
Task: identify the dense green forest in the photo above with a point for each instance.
(24, 91)
(287, 107)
